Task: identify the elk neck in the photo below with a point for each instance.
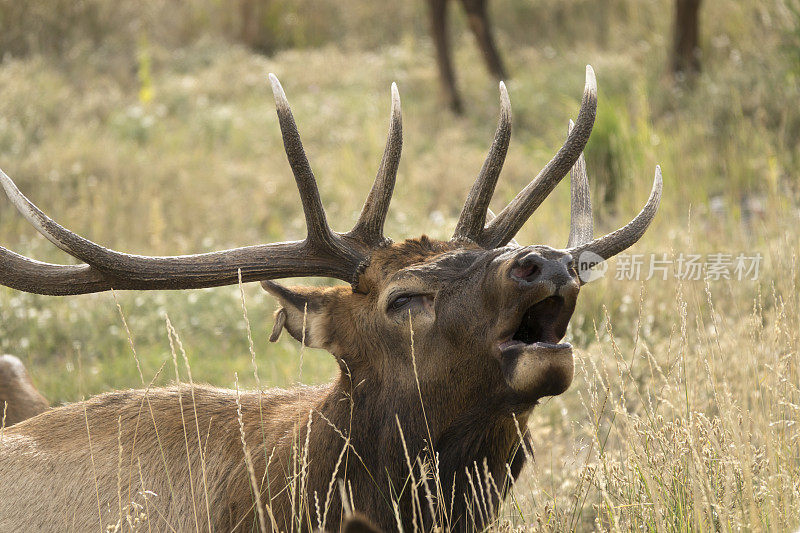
(478, 433)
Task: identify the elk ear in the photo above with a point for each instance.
(299, 306)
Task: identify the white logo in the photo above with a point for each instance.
(586, 261)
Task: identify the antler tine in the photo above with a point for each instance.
(581, 225)
(316, 222)
(369, 227)
(473, 215)
(73, 244)
(21, 273)
(617, 241)
(516, 213)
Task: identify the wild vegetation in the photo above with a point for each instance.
(150, 129)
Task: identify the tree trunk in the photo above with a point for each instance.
(686, 45)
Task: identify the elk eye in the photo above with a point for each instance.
(398, 302)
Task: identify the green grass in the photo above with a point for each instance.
(684, 412)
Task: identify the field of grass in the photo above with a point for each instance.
(685, 411)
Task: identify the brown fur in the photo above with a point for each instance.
(19, 399)
(359, 524)
(146, 450)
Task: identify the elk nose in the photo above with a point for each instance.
(532, 267)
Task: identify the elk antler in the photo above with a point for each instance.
(617, 241)
(323, 253)
(580, 211)
(515, 214)
(508, 222)
(369, 227)
(473, 215)
(581, 231)
(500, 230)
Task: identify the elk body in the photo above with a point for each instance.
(444, 348)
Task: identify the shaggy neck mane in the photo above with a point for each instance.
(367, 418)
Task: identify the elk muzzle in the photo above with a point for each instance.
(542, 289)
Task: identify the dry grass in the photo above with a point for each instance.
(684, 412)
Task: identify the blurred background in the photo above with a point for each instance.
(149, 127)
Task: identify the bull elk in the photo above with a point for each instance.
(444, 348)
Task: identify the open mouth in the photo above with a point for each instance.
(534, 361)
(542, 326)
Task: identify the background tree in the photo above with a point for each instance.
(686, 43)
